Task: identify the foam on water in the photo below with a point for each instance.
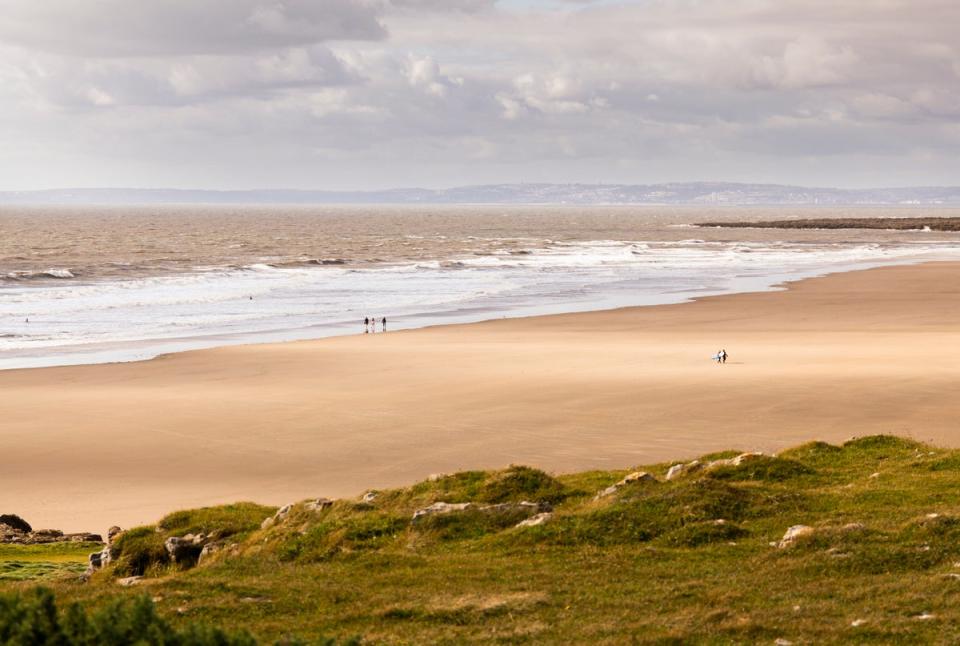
(73, 322)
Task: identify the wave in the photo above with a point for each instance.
(46, 274)
(309, 262)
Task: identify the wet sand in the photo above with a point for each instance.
(874, 351)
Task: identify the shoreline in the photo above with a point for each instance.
(853, 353)
(122, 352)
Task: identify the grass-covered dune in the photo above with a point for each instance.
(698, 558)
(900, 224)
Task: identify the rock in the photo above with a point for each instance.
(856, 623)
(793, 533)
(441, 508)
(129, 581)
(743, 458)
(278, 517)
(446, 508)
(15, 522)
(370, 496)
(112, 533)
(318, 505)
(782, 642)
(208, 550)
(678, 470)
(636, 476)
(535, 521)
(185, 550)
(436, 477)
(43, 536)
(97, 561)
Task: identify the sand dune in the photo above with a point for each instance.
(875, 351)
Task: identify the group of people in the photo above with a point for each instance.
(720, 357)
(370, 324)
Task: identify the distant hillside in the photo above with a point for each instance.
(688, 194)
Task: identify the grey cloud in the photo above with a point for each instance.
(468, 6)
(122, 28)
(389, 92)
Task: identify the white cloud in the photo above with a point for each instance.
(354, 93)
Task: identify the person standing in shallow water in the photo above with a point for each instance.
(384, 321)
(366, 325)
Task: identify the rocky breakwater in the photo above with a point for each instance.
(14, 530)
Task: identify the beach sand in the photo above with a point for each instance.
(875, 351)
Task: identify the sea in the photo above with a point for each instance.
(81, 285)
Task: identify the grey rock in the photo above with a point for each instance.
(318, 505)
(793, 533)
(678, 470)
(441, 508)
(505, 507)
(636, 476)
(278, 517)
(208, 550)
(185, 550)
(536, 520)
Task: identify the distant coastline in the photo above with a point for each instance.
(707, 194)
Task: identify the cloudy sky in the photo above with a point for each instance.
(353, 94)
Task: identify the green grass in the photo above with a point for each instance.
(43, 562)
(652, 563)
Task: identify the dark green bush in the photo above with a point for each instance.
(33, 618)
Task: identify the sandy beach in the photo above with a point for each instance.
(874, 351)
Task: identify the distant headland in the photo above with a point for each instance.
(678, 194)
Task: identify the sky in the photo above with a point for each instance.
(369, 94)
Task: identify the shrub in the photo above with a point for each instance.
(765, 468)
(883, 443)
(137, 550)
(348, 532)
(222, 521)
(470, 523)
(35, 619)
(696, 534)
(520, 483)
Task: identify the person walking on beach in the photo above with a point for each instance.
(384, 321)
(366, 325)
(723, 356)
